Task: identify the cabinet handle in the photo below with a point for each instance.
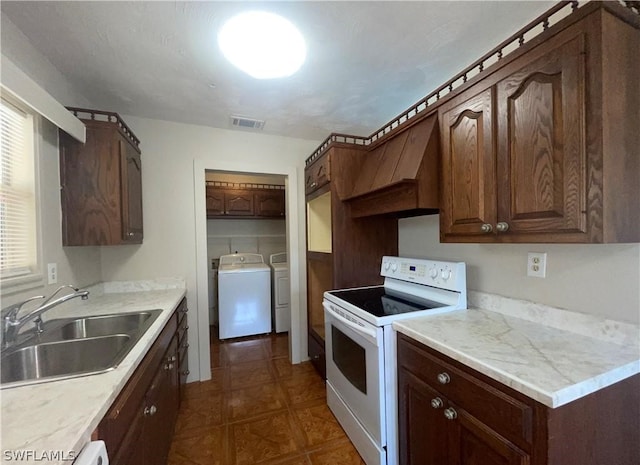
(186, 327)
(185, 345)
(502, 226)
(186, 372)
(168, 366)
(450, 414)
(437, 402)
(314, 184)
(150, 411)
(171, 359)
(130, 234)
(185, 310)
(444, 378)
(486, 228)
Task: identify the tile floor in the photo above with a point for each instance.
(258, 409)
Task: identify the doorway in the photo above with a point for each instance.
(295, 250)
(246, 218)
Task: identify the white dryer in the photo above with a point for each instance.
(281, 308)
(244, 295)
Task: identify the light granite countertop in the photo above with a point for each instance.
(552, 365)
(60, 416)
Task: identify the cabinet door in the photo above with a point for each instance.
(541, 143)
(422, 428)
(215, 202)
(270, 203)
(160, 412)
(238, 203)
(131, 184)
(471, 442)
(468, 166)
(317, 174)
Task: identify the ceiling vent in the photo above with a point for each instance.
(247, 123)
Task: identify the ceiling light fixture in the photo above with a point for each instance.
(263, 45)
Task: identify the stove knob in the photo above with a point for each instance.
(394, 267)
(433, 273)
(386, 266)
(446, 274)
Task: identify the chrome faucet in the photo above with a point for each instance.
(11, 324)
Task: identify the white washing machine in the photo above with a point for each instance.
(244, 295)
(281, 308)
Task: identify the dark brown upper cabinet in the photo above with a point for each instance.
(261, 201)
(537, 141)
(546, 148)
(238, 203)
(270, 203)
(101, 183)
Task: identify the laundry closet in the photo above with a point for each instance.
(246, 220)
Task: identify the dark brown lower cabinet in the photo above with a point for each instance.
(450, 414)
(139, 425)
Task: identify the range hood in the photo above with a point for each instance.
(399, 175)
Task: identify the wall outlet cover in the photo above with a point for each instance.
(537, 264)
(52, 273)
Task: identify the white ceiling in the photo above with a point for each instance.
(367, 61)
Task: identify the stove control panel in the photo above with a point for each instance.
(437, 273)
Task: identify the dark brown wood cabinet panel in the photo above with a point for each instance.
(317, 174)
(541, 143)
(215, 201)
(238, 203)
(265, 202)
(356, 248)
(473, 443)
(455, 423)
(132, 230)
(421, 422)
(138, 426)
(270, 203)
(565, 141)
(468, 167)
(101, 183)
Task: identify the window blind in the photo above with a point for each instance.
(18, 253)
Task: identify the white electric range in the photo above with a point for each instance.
(361, 346)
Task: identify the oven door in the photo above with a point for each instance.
(355, 366)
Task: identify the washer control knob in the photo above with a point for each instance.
(433, 272)
(394, 267)
(446, 273)
(386, 265)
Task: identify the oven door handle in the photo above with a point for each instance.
(356, 327)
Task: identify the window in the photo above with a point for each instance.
(18, 244)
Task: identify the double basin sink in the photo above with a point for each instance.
(73, 347)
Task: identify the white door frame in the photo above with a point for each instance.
(298, 333)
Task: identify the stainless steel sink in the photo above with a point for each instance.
(73, 347)
(58, 359)
(103, 325)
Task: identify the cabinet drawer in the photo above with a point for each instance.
(494, 407)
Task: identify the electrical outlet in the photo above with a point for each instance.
(537, 264)
(52, 273)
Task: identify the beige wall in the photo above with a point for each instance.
(596, 279)
(169, 153)
(76, 265)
